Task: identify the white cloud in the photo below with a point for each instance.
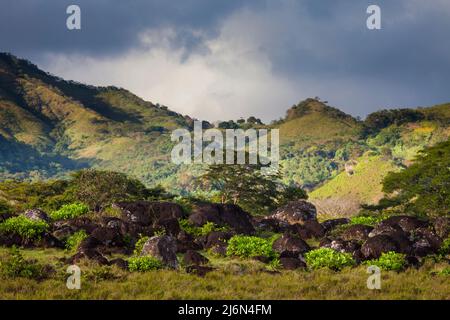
(231, 77)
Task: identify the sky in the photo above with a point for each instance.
(226, 59)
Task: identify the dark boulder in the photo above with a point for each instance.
(120, 263)
(63, 233)
(108, 237)
(219, 250)
(145, 213)
(375, 246)
(290, 245)
(310, 229)
(329, 225)
(171, 226)
(89, 254)
(223, 215)
(186, 242)
(341, 245)
(217, 238)
(356, 232)
(442, 226)
(200, 271)
(426, 242)
(194, 258)
(295, 212)
(163, 248)
(48, 241)
(77, 224)
(406, 223)
(292, 263)
(386, 229)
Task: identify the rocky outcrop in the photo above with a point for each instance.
(163, 248)
(228, 215)
(146, 213)
(295, 212)
(290, 246)
(37, 215)
(192, 257)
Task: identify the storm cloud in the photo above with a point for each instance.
(230, 59)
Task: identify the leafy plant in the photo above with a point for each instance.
(366, 220)
(445, 247)
(16, 266)
(248, 246)
(328, 258)
(74, 240)
(70, 211)
(143, 264)
(199, 231)
(389, 261)
(24, 227)
(139, 245)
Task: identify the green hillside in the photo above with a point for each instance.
(50, 127)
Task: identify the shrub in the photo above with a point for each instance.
(74, 240)
(143, 264)
(445, 247)
(248, 246)
(199, 231)
(70, 211)
(139, 245)
(366, 220)
(16, 266)
(328, 258)
(389, 261)
(24, 227)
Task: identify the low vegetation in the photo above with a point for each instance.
(24, 227)
(70, 211)
(328, 258)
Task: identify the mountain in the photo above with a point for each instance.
(50, 127)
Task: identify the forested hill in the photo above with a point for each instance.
(50, 126)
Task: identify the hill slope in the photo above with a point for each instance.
(50, 127)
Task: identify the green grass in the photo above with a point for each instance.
(232, 279)
(364, 184)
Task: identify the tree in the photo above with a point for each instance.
(99, 189)
(424, 187)
(246, 186)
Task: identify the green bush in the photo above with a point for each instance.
(143, 264)
(139, 245)
(74, 240)
(70, 211)
(328, 258)
(445, 247)
(199, 231)
(366, 220)
(389, 261)
(16, 266)
(248, 246)
(24, 227)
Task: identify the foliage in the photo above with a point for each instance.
(47, 195)
(248, 246)
(5, 208)
(383, 118)
(243, 184)
(24, 227)
(73, 241)
(389, 261)
(445, 247)
(99, 189)
(70, 211)
(143, 264)
(199, 231)
(423, 187)
(366, 220)
(139, 245)
(328, 258)
(16, 266)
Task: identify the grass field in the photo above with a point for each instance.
(233, 279)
